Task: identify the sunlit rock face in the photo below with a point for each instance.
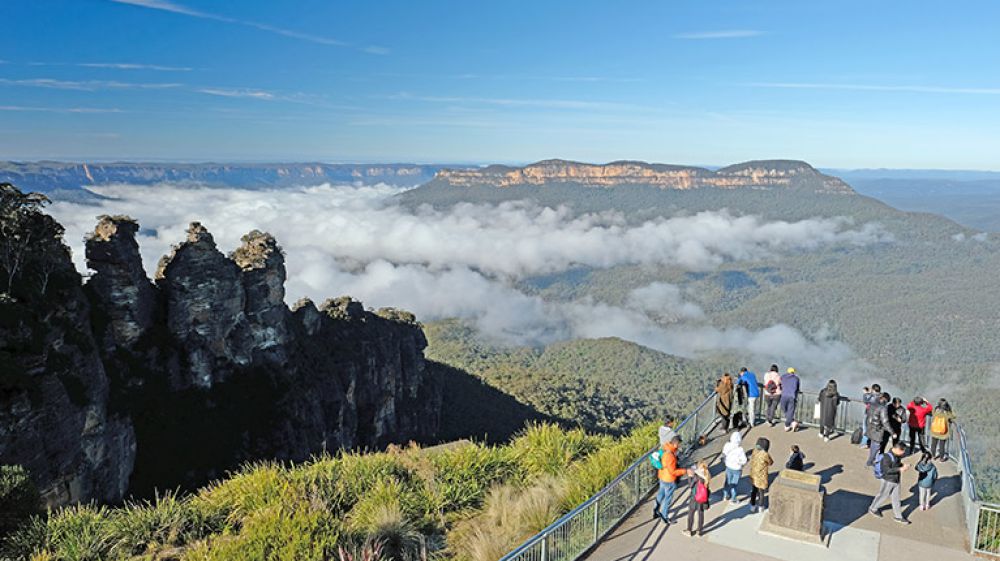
(127, 385)
(769, 174)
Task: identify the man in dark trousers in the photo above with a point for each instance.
(892, 469)
(878, 427)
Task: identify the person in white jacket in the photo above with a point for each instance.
(735, 458)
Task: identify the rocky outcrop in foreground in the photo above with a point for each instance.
(127, 385)
(765, 174)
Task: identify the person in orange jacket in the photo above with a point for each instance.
(668, 475)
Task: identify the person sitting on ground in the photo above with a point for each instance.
(797, 460)
(918, 409)
(668, 476)
(829, 400)
(700, 494)
(789, 396)
(892, 469)
(749, 380)
(941, 429)
(760, 463)
(927, 475)
(734, 457)
(724, 400)
(772, 392)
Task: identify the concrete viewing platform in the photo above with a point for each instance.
(851, 533)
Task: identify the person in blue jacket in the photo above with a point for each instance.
(749, 379)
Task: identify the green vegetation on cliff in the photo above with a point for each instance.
(403, 502)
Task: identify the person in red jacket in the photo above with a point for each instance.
(919, 409)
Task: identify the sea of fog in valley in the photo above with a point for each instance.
(467, 262)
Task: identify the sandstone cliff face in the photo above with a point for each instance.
(754, 175)
(55, 413)
(127, 386)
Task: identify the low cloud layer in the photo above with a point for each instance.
(464, 262)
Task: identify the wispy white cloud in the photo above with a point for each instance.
(724, 34)
(876, 88)
(517, 102)
(85, 85)
(134, 66)
(58, 109)
(244, 93)
(376, 50)
(174, 7)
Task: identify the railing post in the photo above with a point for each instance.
(545, 547)
(597, 513)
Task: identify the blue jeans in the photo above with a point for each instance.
(788, 408)
(665, 496)
(732, 481)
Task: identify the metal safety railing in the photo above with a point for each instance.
(576, 532)
(579, 530)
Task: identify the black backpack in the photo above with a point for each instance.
(856, 436)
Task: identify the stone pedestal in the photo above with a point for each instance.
(795, 507)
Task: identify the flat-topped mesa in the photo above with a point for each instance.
(120, 282)
(764, 174)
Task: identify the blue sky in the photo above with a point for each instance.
(841, 84)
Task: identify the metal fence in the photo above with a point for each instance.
(583, 527)
(573, 535)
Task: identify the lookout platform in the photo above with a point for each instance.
(731, 531)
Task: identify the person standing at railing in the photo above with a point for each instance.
(878, 428)
(869, 398)
(669, 474)
(772, 392)
(724, 399)
(919, 409)
(897, 420)
(666, 431)
(941, 429)
(789, 396)
(829, 400)
(749, 380)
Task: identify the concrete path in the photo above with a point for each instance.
(731, 530)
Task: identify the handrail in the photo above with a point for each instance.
(549, 530)
(580, 529)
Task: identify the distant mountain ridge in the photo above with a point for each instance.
(48, 176)
(759, 174)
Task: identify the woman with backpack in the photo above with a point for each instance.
(724, 402)
(700, 493)
(941, 429)
(772, 392)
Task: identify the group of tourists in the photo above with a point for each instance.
(885, 420)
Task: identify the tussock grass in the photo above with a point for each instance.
(471, 503)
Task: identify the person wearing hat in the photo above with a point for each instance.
(789, 395)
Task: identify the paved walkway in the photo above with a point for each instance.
(731, 530)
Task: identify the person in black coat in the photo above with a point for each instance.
(829, 400)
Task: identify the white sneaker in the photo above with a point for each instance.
(826, 439)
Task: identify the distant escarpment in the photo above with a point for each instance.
(125, 384)
(67, 176)
(764, 174)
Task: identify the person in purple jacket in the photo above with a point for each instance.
(789, 395)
